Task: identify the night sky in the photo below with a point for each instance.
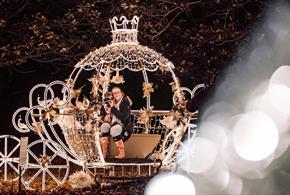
(15, 86)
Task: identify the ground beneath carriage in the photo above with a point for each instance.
(105, 186)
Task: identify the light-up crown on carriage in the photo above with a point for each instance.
(125, 50)
(78, 120)
(124, 30)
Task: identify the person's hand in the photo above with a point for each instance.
(111, 103)
(108, 110)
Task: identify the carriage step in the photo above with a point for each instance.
(134, 178)
(131, 169)
(129, 160)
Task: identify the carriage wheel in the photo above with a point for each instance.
(48, 165)
(9, 157)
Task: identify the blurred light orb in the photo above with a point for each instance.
(255, 136)
(280, 97)
(168, 184)
(264, 103)
(214, 132)
(235, 185)
(281, 76)
(199, 156)
(218, 176)
(279, 89)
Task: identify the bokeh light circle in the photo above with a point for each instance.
(170, 183)
(255, 136)
(280, 96)
(199, 156)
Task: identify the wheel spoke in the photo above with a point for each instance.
(5, 146)
(44, 148)
(2, 163)
(55, 154)
(13, 167)
(2, 155)
(16, 160)
(53, 177)
(34, 176)
(16, 147)
(33, 166)
(5, 170)
(32, 154)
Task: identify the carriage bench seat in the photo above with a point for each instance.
(137, 146)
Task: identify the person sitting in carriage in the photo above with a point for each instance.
(116, 116)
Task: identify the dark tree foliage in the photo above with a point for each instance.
(197, 35)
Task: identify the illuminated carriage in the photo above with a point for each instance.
(65, 115)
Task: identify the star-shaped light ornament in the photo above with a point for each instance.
(104, 80)
(95, 85)
(44, 159)
(94, 79)
(117, 79)
(83, 105)
(76, 92)
(50, 114)
(56, 102)
(176, 115)
(163, 68)
(145, 115)
(169, 122)
(147, 89)
(174, 85)
(157, 156)
(69, 82)
(144, 118)
(37, 127)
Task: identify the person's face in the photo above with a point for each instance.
(117, 94)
